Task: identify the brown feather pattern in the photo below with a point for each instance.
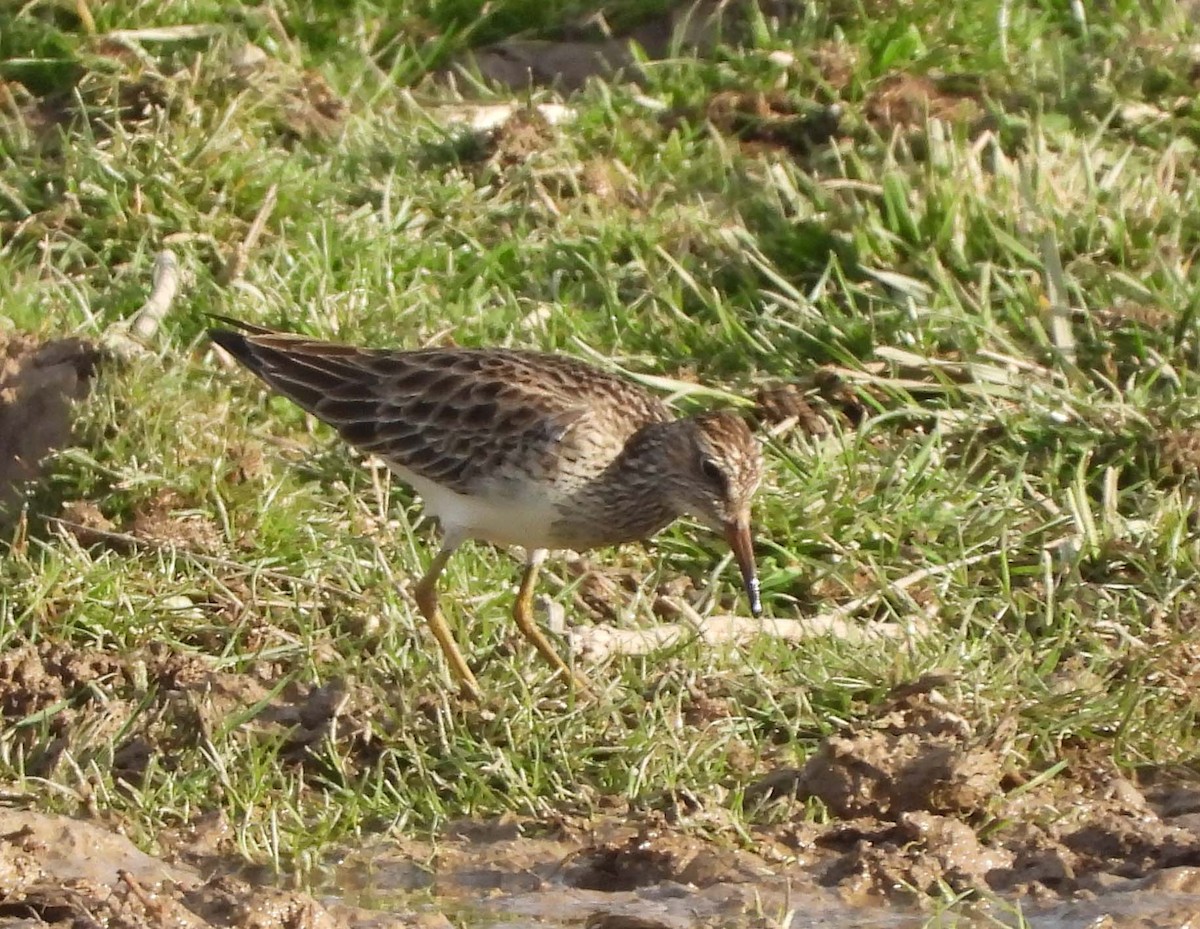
(518, 447)
(550, 451)
(456, 416)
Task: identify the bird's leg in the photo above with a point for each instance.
(425, 594)
(523, 614)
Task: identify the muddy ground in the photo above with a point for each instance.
(920, 803)
(38, 383)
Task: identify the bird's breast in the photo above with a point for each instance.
(503, 513)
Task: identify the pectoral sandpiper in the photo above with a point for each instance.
(519, 448)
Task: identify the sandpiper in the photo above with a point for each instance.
(522, 448)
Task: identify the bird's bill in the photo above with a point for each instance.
(737, 534)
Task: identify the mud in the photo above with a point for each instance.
(919, 802)
(922, 804)
(38, 384)
(64, 872)
(591, 50)
(154, 702)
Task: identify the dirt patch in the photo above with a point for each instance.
(836, 62)
(589, 50)
(918, 755)
(1130, 315)
(310, 108)
(166, 519)
(788, 406)
(921, 801)
(303, 104)
(773, 120)
(526, 133)
(814, 404)
(66, 872)
(119, 712)
(905, 102)
(1179, 452)
(38, 383)
(919, 854)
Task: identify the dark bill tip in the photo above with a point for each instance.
(754, 594)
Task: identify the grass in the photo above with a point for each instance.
(924, 255)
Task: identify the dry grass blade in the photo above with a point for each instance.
(163, 33)
(235, 266)
(1061, 332)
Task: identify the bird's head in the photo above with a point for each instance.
(716, 465)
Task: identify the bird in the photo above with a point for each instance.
(518, 447)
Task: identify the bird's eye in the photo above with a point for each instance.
(712, 471)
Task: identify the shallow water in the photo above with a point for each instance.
(491, 876)
(527, 883)
(659, 906)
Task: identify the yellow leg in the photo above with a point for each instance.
(523, 614)
(425, 594)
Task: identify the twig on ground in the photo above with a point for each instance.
(164, 287)
(127, 338)
(597, 643)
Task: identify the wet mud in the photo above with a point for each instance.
(919, 804)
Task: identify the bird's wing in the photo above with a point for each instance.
(459, 417)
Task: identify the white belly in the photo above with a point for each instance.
(524, 520)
